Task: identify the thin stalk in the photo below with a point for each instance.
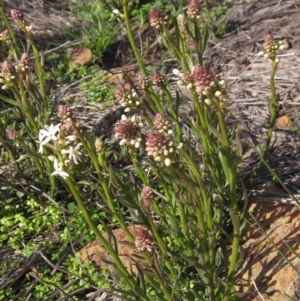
(174, 49)
(137, 167)
(39, 69)
(208, 16)
(272, 103)
(198, 39)
(174, 113)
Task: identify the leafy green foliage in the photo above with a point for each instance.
(97, 29)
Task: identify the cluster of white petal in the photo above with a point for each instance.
(49, 134)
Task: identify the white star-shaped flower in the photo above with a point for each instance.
(73, 152)
(48, 134)
(58, 170)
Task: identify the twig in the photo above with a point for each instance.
(257, 290)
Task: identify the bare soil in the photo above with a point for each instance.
(264, 273)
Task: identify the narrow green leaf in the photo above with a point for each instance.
(10, 101)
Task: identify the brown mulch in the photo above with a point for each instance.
(267, 275)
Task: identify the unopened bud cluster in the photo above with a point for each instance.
(11, 134)
(19, 19)
(7, 75)
(161, 148)
(23, 63)
(158, 79)
(70, 126)
(194, 10)
(64, 112)
(128, 130)
(127, 98)
(162, 124)
(143, 240)
(146, 195)
(4, 35)
(9, 71)
(142, 82)
(272, 48)
(157, 18)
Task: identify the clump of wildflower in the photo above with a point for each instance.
(64, 112)
(23, 63)
(11, 134)
(272, 48)
(129, 131)
(157, 78)
(126, 98)
(162, 124)
(161, 148)
(146, 195)
(143, 240)
(157, 18)
(194, 10)
(143, 82)
(7, 75)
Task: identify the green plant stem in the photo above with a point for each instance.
(201, 186)
(185, 228)
(208, 16)
(161, 243)
(175, 114)
(24, 110)
(137, 167)
(198, 39)
(159, 278)
(131, 38)
(230, 171)
(272, 103)
(204, 219)
(9, 149)
(126, 275)
(39, 67)
(91, 153)
(136, 51)
(16, 48)
(104, 185)
(170, 43)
